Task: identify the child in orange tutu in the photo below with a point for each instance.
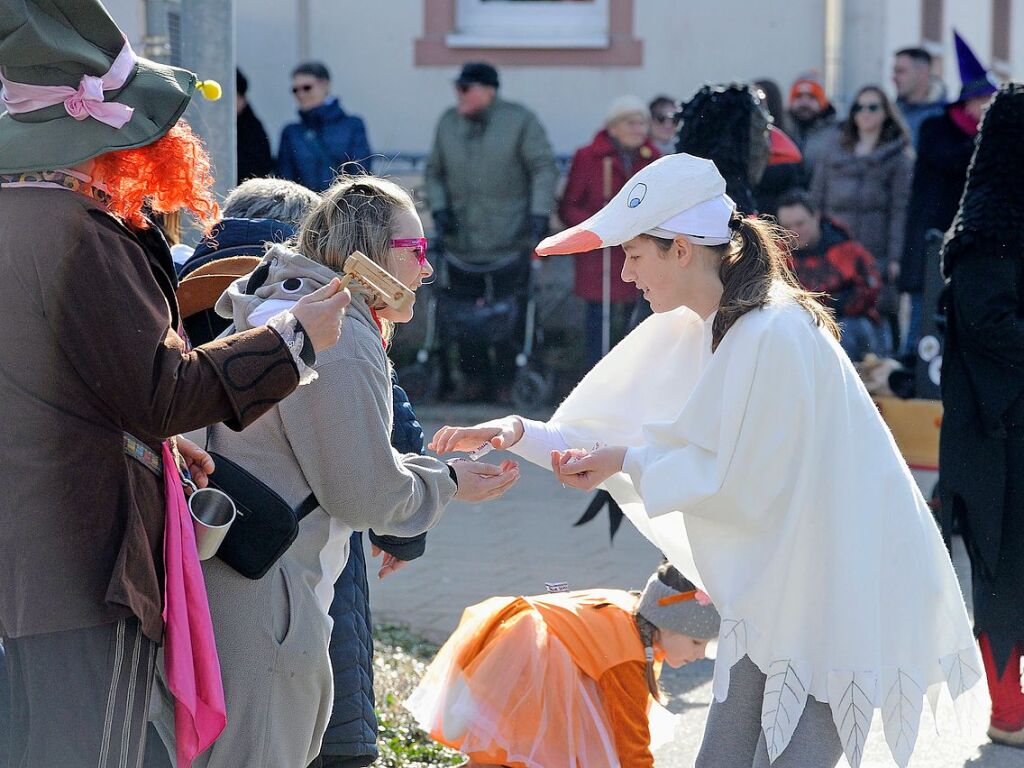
(562, 679)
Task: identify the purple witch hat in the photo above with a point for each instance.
(974, 78)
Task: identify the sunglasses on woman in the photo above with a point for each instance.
(663, 119)
(418, 244)
(857, 108)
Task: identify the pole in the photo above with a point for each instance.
(156, 45)
(834, 76)
(208, 49)
(606, 271)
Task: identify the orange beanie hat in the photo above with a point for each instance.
(809, 83)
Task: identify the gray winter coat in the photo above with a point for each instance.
(491, 173)
(814, 138)
(868, 194)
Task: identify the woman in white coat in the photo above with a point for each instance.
(736, 435)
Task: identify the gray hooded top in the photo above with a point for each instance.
(333, 436)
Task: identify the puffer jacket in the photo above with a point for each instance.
(868, 194)
(228, 237)
(326, 142)
(351, 737)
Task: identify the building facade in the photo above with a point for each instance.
(393, 61)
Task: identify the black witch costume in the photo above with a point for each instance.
(982, 443)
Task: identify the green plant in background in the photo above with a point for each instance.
(399, 662)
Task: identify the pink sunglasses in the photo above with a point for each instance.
(418, 244)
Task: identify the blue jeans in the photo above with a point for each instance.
(909, 345)
(861, 335)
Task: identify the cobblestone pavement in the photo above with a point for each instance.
(516, 544)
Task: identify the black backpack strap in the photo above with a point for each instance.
(308, 505)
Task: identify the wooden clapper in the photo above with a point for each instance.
(371, 275)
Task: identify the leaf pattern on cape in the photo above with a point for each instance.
(732, 646)
(785, 694)
(962, 672)
(852, 696)
(902, 704)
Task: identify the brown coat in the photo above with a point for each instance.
(88, 350)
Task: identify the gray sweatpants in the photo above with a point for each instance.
(733, 737)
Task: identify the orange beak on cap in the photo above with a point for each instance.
(573, 240)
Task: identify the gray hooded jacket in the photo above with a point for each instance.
(332, 437)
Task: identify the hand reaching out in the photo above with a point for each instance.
(500, 433)
(389, 563)
(483, 482)
(587, 469)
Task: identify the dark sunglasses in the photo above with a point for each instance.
(663, 119)
(297, 89)
(463, 87)
(857, 108)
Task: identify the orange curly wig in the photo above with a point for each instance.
(170, 174)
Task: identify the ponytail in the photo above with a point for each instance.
(753, 262)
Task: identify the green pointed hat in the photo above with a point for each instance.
(73, 88)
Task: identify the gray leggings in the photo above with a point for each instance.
(733, 737)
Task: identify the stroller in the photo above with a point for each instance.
(496, 302)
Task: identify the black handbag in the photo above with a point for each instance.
(266, 525)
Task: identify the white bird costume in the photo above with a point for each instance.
(765, 471)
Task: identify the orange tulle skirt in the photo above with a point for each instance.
(508, 693)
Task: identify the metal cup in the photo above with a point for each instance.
(213, 512)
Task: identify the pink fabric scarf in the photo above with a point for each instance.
(85, 101)
(190, 653)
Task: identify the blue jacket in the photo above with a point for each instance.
(320, 146)
(229, 237)
(351, 737)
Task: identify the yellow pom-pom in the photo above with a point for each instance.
(210, 89)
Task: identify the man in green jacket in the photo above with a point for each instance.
(490, 183)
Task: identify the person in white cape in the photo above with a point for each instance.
(735, 434)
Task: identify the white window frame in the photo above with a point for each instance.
(535, 24)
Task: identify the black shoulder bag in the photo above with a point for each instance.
(266, 525)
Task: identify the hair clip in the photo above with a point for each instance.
(649, 654)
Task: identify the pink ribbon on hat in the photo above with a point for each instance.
(85, 101)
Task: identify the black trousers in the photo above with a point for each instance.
(80, 698)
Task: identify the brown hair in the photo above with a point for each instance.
(893, 127)
(753, 262)
(648, 633)
(356, 214)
